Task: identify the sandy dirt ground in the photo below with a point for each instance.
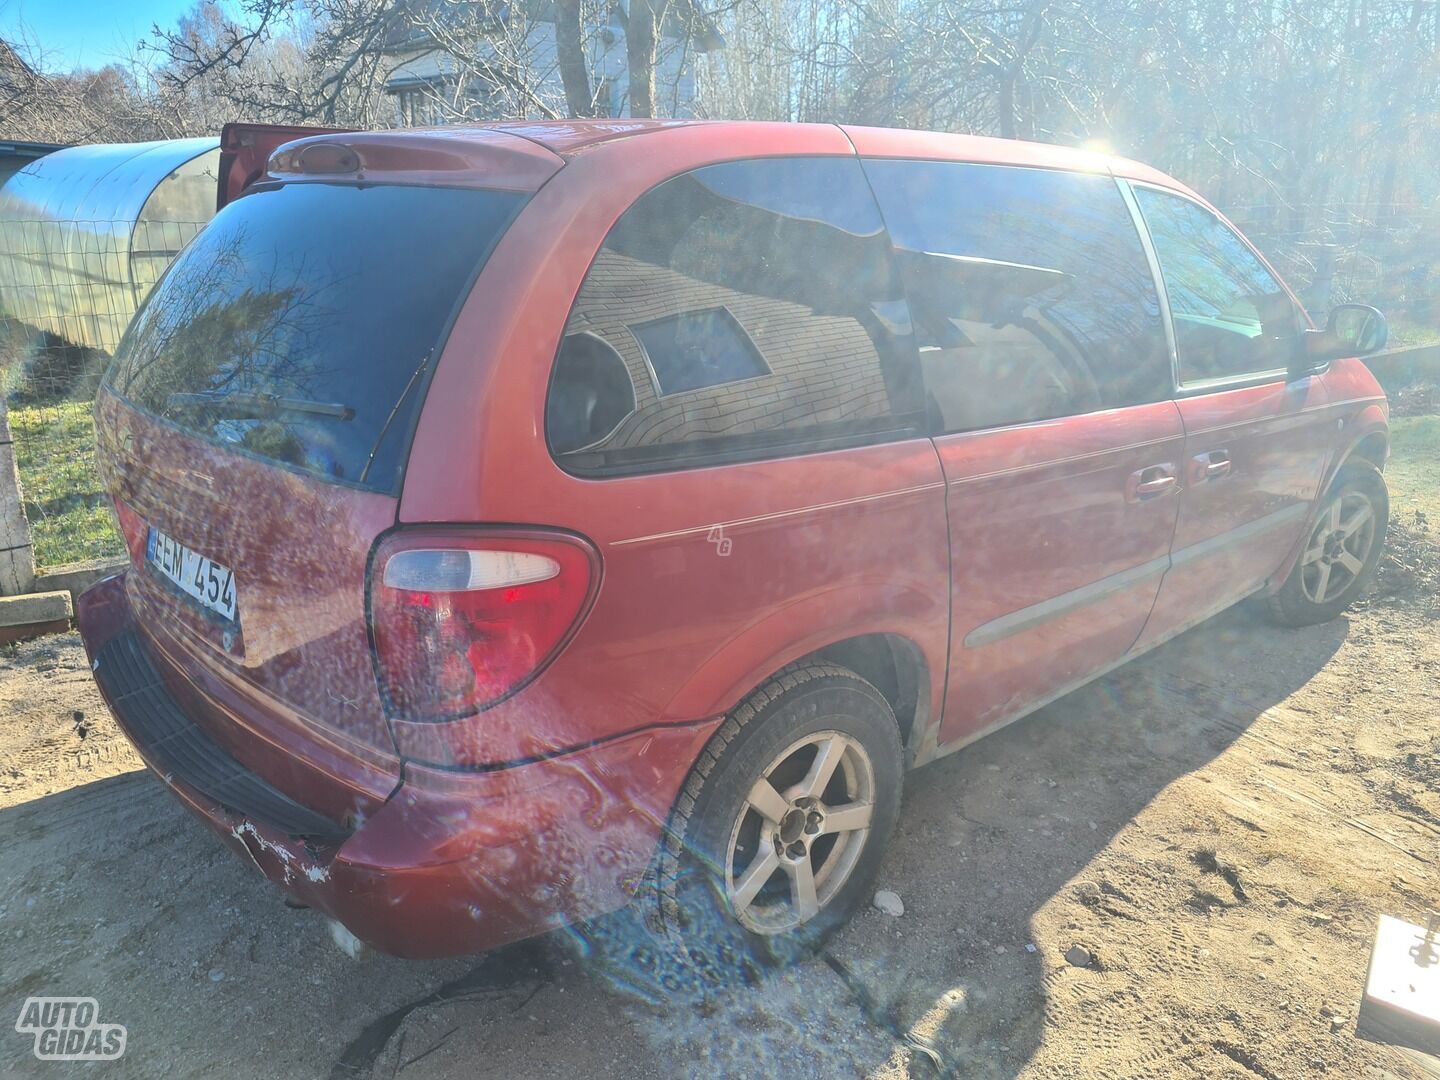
(1218, 825)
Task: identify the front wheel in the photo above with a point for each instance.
(1341, 551)
(780, 829)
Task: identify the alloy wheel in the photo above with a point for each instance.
(800, 833)
(1338, 547)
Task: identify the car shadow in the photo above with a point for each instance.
(987, 837)
(994, 833)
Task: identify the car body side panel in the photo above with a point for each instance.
(489, 385)
(713, 579)
(1357, 399)
(1054, 569)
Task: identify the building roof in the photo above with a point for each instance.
(28, 151)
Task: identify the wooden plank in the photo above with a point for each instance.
(17, 556)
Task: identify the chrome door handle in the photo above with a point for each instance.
(1151, 482)
(1209, 466)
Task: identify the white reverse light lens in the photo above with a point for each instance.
(451, 570)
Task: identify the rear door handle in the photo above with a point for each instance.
(1209, 466)
(1151, 482)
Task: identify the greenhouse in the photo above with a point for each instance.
(84, 234)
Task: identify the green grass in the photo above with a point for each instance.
(55, 452)
(1414, 470)
(1404, 333)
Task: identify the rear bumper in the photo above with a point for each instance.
(450, 863)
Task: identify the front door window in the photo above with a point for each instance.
(1233, 319)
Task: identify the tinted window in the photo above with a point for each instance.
(1030, 291)
(1231, 316)
(742, 310)
(301, 323)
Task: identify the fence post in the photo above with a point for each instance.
(17, 556)
(1317, 296)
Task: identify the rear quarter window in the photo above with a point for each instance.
(740, 311)
(301, 325)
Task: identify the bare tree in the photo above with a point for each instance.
(496, 57)
(570, 55)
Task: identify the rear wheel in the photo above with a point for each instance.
(780, 829)
(1341, 551)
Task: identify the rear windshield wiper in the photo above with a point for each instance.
(256, 402)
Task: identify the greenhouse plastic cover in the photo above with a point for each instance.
(86, 231)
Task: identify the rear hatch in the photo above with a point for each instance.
(254, 429)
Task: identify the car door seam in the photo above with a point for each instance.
(1054, 607)
(1272, 418)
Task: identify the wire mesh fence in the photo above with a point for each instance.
(68, 290)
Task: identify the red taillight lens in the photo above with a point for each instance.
(463, 619)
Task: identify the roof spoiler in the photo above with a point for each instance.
(245, 148)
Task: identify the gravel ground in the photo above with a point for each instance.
(1216, 827)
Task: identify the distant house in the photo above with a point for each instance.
(17, 80)
(424, 79)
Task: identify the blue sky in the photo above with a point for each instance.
(85, 33)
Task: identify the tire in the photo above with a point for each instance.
(717, 900)
(1346, 538)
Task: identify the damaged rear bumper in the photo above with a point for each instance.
(451, 862)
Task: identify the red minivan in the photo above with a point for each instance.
(527, 517)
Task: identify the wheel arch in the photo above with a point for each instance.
(1368, 440)
(896, 667)
(893, 662)
(1369, 443)
(1374, 448)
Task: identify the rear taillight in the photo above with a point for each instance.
(464, 618)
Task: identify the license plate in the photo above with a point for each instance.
(203, 579)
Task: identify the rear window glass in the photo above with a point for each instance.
(301, 324)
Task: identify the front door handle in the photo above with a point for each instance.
(1209, 466)
(1151, 482)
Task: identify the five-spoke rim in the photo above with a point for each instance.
(1338, 546)
(800, 833)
